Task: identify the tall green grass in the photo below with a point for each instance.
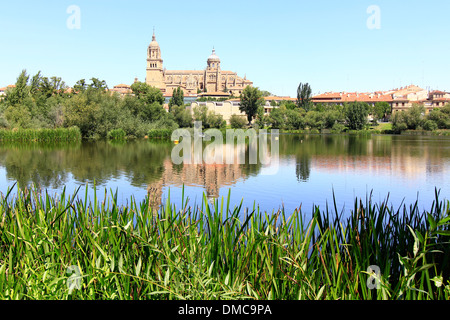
(160, 133)
(43, 135)
(215, 251)
(116, 134)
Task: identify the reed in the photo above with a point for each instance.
(160, 133)
(116, 134)
(41, 135)
(215, 251)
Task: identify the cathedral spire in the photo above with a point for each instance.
(153, 37)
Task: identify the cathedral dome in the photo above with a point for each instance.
(213, 57)
(154, 44)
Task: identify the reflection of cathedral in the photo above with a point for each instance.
(210, 80)
(210, 176)
(210, 173)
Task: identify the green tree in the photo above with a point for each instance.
(80, 86)
(314, 120)
(251, 100)
(177, 98)
(356, 115)
(182, 116)
(277, 118)
(147, 93)
(415, 117)
(200, 114)
(99, 85)
(399, 122)
(381, 110)
(215, 120)
(295, 119)
(304, 98)
(440, 117)
(237, 121)
(17, 94)
(260, 118)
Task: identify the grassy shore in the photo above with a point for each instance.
(41, 135)
(218, 252)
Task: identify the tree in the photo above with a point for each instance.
(177, 98)
(147, 93)
(381, 110)
(295, 119)
(182, 116)
(356, 115)
(97, 84)
(251, 100)
(265, 93)
(200, 114)
(35, 83)
(304, 96)
(277, 118)
(237, 121)
(80, 86)
(20, 91)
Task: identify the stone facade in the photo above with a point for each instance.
(212, 79)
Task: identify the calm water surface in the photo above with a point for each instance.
(407, 168)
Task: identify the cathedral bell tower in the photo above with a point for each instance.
(155, 71)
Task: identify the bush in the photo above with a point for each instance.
(214, 120)
(160, 133)
(294, 120)
(58, 134)
(116, 134)
(338, 128)
(314, 120)
(276, 118)
(182, 116)
(238, 122)
(356, 114)
(430, 125)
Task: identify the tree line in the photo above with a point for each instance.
(304, 114)
(40, 102)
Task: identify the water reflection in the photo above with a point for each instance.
(317, 161)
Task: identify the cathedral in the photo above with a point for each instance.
(209, 81)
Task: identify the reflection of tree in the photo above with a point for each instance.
(40, 164)
(303, 167)
(49, 165)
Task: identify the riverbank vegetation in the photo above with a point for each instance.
(42, 104)
(38, 102)
(214, 251)
(42, 135)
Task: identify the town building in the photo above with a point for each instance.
(399, 99)
(210, 80)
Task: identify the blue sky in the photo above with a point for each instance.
(277, 44)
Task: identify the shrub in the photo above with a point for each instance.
(356, 114)
(160, 133)
(238, 122)
(338, 128)
(116, 134)
(214, 120)
(277, 118)
(294, 120)
(430, 125)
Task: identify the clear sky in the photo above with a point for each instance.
(332, 45)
